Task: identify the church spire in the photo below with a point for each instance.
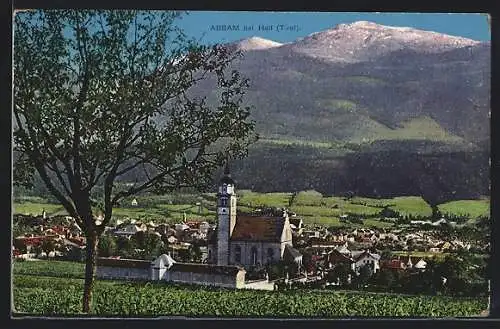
(226, 178)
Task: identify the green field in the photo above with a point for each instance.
(312, 206)
(411, 205)
(159, 212)
(50, 268)
(36, 208)
(254, 199)
(470, 208)
(51, 296)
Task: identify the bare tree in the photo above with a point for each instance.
(101, 94)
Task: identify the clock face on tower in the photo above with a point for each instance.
(226, 189)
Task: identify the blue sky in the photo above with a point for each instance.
(288, 26)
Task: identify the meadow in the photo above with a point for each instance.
(312, 206)
(469, 208)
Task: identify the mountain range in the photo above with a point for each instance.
(363, 82)
(342, 98)
(368, 109)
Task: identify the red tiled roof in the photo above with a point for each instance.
(79, 241)
(318, 242)
(193, 223)
(392, 264)
(249, 228)
(316, 257)
(366, 253)
(336, 256)
(414, 259)
(33, 241)
(60, 229)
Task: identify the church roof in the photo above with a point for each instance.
(294, 253)
(295, 221)
(226, 179)
(250, 228)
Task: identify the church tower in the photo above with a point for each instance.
(226, 213)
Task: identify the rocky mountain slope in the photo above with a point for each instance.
(373, 109)
(363, 82)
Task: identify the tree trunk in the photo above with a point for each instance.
(90, 264)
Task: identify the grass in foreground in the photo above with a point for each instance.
(62, 296)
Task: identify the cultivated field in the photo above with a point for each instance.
(312, 206)
(468, 208)
(44, 295)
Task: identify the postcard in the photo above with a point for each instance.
(211, 164)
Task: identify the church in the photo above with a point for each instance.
(248, 240)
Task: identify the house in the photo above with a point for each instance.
(445, 246)
(311, 234)
(134, 203)
(404, 263)
(336, 257)
(409, 261)
(420, 265)
(130, 229)
(296, 224)
(162, 229)
(317, 243)
(439, 222)
(30, 243)
(392, 264)
(172, 239)
(152, 225)
(204, 227)
(338, 237)
(343, 250)
(194, 225)
(420, 222)
(325, 247)
(362, 258)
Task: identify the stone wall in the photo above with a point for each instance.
(107, 272)
(218, 280)
(162, 269)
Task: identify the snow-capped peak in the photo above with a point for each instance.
(254, 43)
(363, 40)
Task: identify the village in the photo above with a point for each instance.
(316, 256)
